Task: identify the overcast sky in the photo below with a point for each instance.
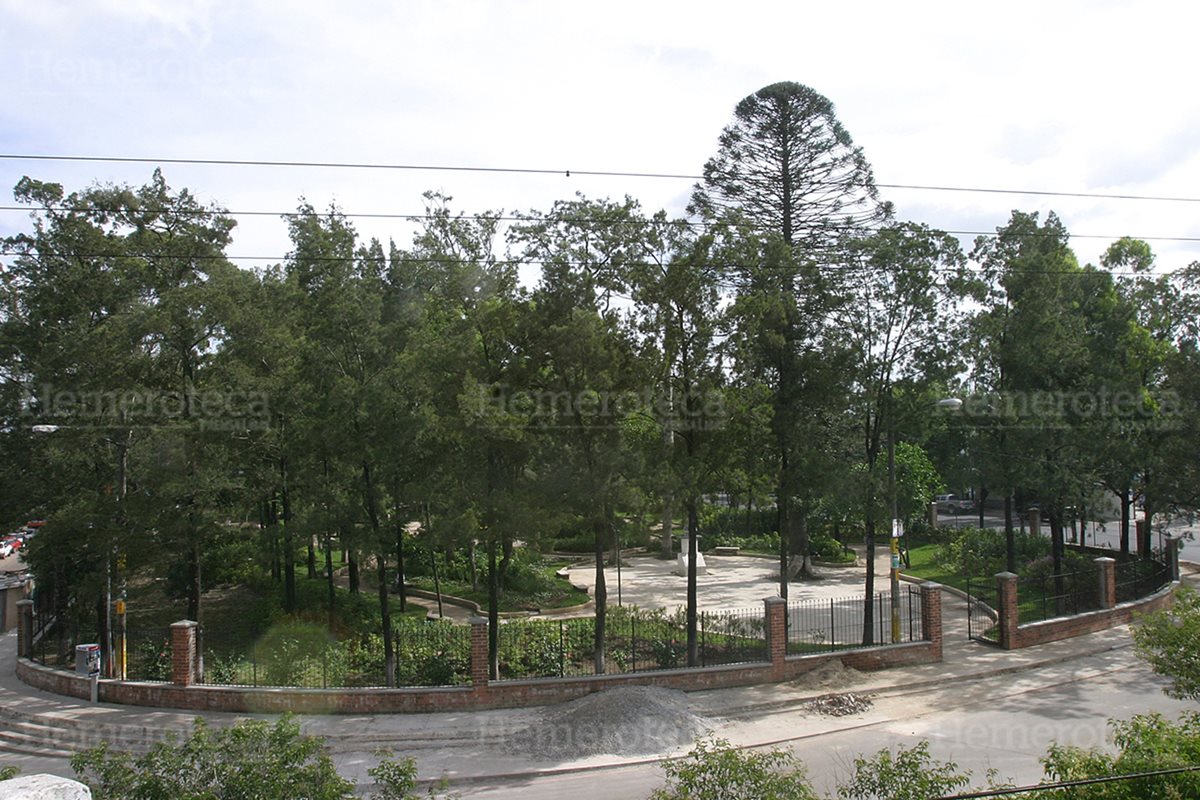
(1054, 96)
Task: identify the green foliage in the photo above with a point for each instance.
(917, 481)
(715, 770)
(9, 771)
(1145, 743)
(1169, 640)
(906, 774)
(430, 653)
(253, 759)
(397, 779)
(980, 553)
(717, 522)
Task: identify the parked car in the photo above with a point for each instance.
(953, 504)
(6, 548)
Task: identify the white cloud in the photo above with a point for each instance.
(1068, 96)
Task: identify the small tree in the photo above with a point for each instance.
(1145, 743)
(906, 774)
(1169, 640)
(715, 770)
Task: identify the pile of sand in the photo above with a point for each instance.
(632, 720)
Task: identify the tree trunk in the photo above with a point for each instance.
(385, 618)
(666, 546)
(331, 592)
(600, 595)
(693, 528)
(493, 612)
(869, 586)
(352, 561)
(1010, 535)
(1126, 504)
(289, 544)
(312, 558)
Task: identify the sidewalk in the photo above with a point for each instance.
(470, 747)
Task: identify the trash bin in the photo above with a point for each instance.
(87, 659)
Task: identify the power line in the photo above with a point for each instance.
(425, 216)
(523, 261)
(548, 171)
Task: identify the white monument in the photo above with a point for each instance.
(681, 560)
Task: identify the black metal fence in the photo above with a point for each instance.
(1141, 578)
(304, 655)
(1042, 597)
(635, 641)
(983, 611)
(816, 626)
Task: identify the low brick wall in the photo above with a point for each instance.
(1053, 630)
(497, 694)
(483, 693)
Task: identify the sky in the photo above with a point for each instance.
(1064, 96)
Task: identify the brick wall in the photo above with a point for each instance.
(482, 694)
(1053, 630)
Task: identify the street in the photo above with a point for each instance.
(1003, 723)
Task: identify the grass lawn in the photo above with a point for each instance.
(923, 561)
(556, 592)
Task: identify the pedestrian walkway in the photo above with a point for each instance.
(39, 730)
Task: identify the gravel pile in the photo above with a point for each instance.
(830, 675)
(633, 720)
(839, 705)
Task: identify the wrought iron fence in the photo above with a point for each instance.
(1140, 578)
(635, 640)
(147, 654)
(55, 646)
(427, 653)
(1042, 597)
(983, 611)
(839, 623)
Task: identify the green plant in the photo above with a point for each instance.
(1169, 641)
(1145, 743)
(251, 759)
(906, 774)
(716, 770)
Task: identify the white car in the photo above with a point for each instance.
(953, 504)
(6, 548)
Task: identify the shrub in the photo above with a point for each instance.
(980, 552)
(715, 770)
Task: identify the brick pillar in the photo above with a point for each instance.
(479, 653)
(1006, 595)
(183, 652)
(775, 611)
(25, 628)
(1173, 545)
(1106, 568)
(931, 616)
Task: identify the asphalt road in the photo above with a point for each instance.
(1003, 723)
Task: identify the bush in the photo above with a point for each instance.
(252, 759)
(715, 770)
(980, 552)
(1169, 641)
(907, 774)
(723, 523)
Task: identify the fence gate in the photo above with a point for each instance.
(983, 616)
